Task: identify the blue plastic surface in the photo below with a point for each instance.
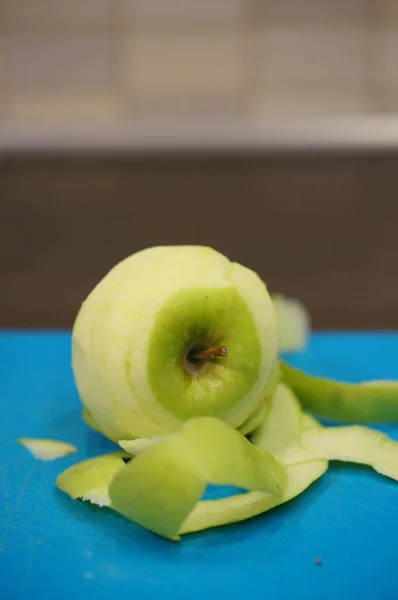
(53, 547)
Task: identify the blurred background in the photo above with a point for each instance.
(267, 129)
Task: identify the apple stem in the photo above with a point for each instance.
(209, 353)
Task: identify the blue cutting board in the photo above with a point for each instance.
(54, 548)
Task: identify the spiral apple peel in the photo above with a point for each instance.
(175, 357)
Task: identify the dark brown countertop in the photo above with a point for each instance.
(322, 228)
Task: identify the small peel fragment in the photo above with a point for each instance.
(88, 479)
(214, 513)
(47, 449)
(134, 447)
(351, 443)
(294, 323)
(160, 487)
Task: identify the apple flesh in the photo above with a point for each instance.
(294, 323)
(283, 426)
(172, 333)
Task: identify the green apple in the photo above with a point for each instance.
(172, 333)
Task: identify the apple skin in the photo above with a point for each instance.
(367, 402)
(119, 328)
(161, 486)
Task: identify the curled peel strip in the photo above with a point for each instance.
(85, 479)
(350, 443)
(160, 487)
(369, 402)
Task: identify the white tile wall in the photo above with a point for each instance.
(175, 69)
(56, 15)
(194, 57)
(277, 12)
(298, 100)
(328, 56)
(2, 62)
(191, 13)
(386, 49)
(72, 61)
(385, 57)
(56, 106)
(388, 12)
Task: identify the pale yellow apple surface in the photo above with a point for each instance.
(136, 332)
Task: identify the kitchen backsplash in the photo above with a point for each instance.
(107, 60)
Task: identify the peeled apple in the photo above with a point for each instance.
(138, 337)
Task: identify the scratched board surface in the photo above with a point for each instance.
(57, 548)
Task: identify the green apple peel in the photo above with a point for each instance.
(373, 401)
(175, 357)
(79, 480)
(160, 487)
